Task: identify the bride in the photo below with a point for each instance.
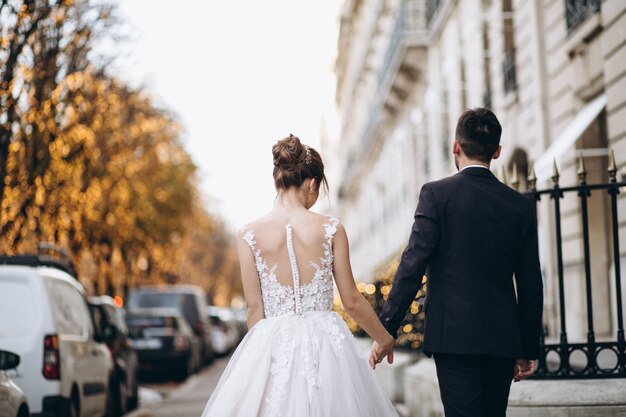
(299, 359)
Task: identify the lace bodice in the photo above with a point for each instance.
(314, 295)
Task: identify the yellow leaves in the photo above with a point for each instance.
(116, 186)
(111, 220)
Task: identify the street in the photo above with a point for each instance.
(187, 399)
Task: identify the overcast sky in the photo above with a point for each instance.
(240, 75)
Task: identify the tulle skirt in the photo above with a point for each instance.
(298, 366)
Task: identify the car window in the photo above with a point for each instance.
(136, 322)
(120, 319)
(154, 299)
(70, 309)
(99, 319)
(187, 304)
(190, 309)
(17, 300)
(114, 317)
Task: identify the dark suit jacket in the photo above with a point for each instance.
(471, 235)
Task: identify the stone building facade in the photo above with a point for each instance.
(553, 71)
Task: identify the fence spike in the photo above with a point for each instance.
(612, 167)
(532, 178)
(514, 177)
(555, 174)
(582, 172)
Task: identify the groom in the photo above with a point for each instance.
(471, 236)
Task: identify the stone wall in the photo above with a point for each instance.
(530, 398)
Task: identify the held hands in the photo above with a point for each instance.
(379, 351)
(524, 368)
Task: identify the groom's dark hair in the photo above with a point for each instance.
(478, 132)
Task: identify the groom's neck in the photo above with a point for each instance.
(463, 163)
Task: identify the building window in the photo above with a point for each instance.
(577, 11)
(508, 65)
(432, 6)
(445, 127)
(508, 72)
(486, 68)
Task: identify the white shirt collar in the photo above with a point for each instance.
(475, 166)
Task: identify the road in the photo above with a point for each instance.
(181, 400)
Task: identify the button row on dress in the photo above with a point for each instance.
(294, 269)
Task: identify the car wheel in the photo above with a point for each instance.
(74, 408)
(185, 368)
(133, 399)
(23, 411)
(111, 402)
(120, 396)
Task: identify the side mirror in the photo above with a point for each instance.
(8, 360)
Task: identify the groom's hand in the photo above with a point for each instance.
(524, 368)
(379, 352)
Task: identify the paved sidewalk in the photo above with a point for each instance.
(190, 398)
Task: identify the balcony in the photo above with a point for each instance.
(403, 63)
(577, 11)
(432, 7)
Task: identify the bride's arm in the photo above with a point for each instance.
(353, 301)
(251, 283)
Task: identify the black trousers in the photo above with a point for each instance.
(474, 385)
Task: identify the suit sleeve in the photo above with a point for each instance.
(529, 285)
(415, 258)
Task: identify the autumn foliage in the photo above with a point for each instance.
(92, 165)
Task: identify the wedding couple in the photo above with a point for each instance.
(475, 239)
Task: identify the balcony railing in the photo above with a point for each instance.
(410, 23)
(432, 7)
(508, 72)
(409, 30)
(577, 11)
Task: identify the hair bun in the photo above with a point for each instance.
(288, 152)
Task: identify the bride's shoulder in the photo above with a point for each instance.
(330, 223)
(324, 219)
(259, 225)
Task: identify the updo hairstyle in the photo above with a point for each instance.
(295, 162)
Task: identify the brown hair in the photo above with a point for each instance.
(295, 162)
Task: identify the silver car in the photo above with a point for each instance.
(12, 400)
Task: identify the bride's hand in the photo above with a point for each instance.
(380, 350)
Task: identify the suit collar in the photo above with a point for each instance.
(477, 172)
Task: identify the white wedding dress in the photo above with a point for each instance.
(300, 360)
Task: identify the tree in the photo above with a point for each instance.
(92, 165)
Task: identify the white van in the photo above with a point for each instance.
(45, 319)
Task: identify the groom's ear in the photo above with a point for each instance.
(456, 147)
(496, 154)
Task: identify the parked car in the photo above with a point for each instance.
(110, 322)
(163, 339)
(188, 299)
(241, 320)
(224, 331)
(13, 403)
(64, 370)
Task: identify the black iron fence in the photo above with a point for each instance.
(590, 359)
(561, 359)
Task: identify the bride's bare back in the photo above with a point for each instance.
(293, 256)
(309, 238)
